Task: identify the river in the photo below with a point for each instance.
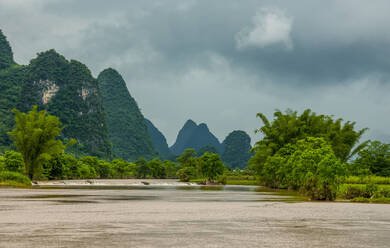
(165, 213)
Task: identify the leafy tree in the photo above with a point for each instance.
(290, 127)
(187, 173)
(211, 166)
(170, 168)
(35, 137)
(310, 166)
(55, 167)
(13, 161)
(120, 167)
(374, 159)
(156, 168)
(187, 158)
(142, 168)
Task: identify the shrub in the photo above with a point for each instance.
(186, 174)
(13, 161)
(222, 179)
(14, 178)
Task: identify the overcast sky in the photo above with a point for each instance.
(222, 61)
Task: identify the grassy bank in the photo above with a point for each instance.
(13, 179)
(233, 180)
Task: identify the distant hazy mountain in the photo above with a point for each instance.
(237, 147)
(159, 140)
(126, 124)
(194, 136)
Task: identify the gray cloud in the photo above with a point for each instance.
(222, 61)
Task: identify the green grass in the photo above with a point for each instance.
(372, 191)
(242, 182)
(367, 179)
(9, 178)
(230, 181)
(371, 200)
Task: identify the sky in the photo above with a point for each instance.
(223, 61)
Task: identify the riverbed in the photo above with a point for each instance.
(165, 213)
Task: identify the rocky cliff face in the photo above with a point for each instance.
(67, 90)
(127, 128)
(159, 140)
(64, 88)
(194, 136)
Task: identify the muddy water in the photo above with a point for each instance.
(166, 214)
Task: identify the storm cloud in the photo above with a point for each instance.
(223, 61)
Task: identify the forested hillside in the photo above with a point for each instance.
(65, 89)
(194, 136)
(127, 128)
(159, 140)
(237, 147)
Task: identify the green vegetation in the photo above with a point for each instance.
(10, 178)
(367, 179)
(209, 166)
(35, 137)
(374, 159)
(237, 147)
(126, 124)
(159, 140)
(6, 55)
(194, 136)
(306, 152)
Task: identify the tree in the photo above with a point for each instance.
(290, 127)
(13, 161)
(211, 166)
(374, 159)
(170, 168)
(142, 168)
(35, 136)
(309, 166)
(156, 168)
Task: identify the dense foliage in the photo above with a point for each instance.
(307, 152)
(209, 166)
(6, 55)
(65, 89)
(126, 124)
(237, 147)
(68, 91)
(373, 159)
(290, 127)
(35, 137)
(159, 140)
(194, 136)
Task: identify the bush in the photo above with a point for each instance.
(186, 174)
(367, 179)
(13, 178)
(352, 191)
(222, 179)
(310, 166)
(13, 161)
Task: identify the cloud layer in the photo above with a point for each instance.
(270, 26)
(222, 61)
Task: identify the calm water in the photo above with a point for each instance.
(127, 213)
